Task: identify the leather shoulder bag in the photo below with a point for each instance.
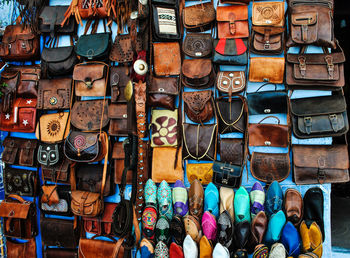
(199, 105)
(166, 58)
(101, 225)
(54, 94)
(53, 128)
(11, 79)
(164, 129)
(232, 21)
(227, 175)
(230, 51)
(19, 151)
(16, 249)
(198, 17)
(50, 20)
(203, 172)
(61, 206)
(90, 248)
(232, 150)
(198, 45)
(198, 73)
(266, 69)
(324, 116)
(165, 23)
(230, 82)
(19, 217)
(58, 172)
(119, 77)
(122, 49)
(162, 92)
(20, 182)
(122, 117)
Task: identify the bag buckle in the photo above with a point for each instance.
(330, 66)
(9, 45)
(333, 118)
(321, 176)
(302, 65)
(308, 124)
(232, 27)
(24, 45)
(267, 45)
(88, 83)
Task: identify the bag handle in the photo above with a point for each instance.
(265, 84)
(16, 197)
(111, 238)
(279, 121)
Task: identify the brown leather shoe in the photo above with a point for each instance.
(258, 230)
(293, 206)
(195, 199)
(192, 227)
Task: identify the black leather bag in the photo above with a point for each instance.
(49, 154)
(62, 208)
(324, 116)
(50, 20)
(227, 175)
(20, 182)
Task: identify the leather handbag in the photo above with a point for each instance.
(232, 21)
(54, 94)
(317, 164)
(230, 51)
(165, 23)
(198, 45)
(119, 77)
(20, 182)
(50, 20)
(271, 135)
(19, 217)
(162, 92)
(232, 151)
(90, 79)
(311, 22)
(166, 58)
(164, 128)
(267, 102)
(92, 248)
(227, 175)
(232, 114)
(230, 82)
(324, 71)
(198, 73)
(53, 128)
(87, 114)
(62, 207)
(101, 225)
(167, 164)
(60, 253)
(58, 172)
(269, 167)
(122, 50)
(203, 172)
(122, 117)
(266, 69)
(19, 151)
(89, 178)
(49, 154)
(16, 249)
(199, 17)
(19, 43)
(59, 232)
(199, 141)
(199, 105)
(319, 116)
(21, 118)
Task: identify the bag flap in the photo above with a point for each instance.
(308, 18)
(89, 72)
(80, 196)
(54, 85)
(270, 135)
(196, 100)
(9, 74)
(119, 76)
(93, 44)
(268, 13)
(17, 32)
(58, 54)
(271, 31)
(321, 156)
(233, 170)
(318, 105)
(12, 142)
(267, 69)
(198, 44)
(232, 13)
(267, 102)
(196, 68)
(118, 111)
(53, 14)
(14, 210)
(230, 112)
(53, 127)
(230, 79)
(317, 59)
(81, 141)
(94, 248)
(199, 14)
(169, 86)
(25, 103)
(118, 151)
(230, 47)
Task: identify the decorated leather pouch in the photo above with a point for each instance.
(101, 225)
(162, 92)
(199, 105)
(198, 73)
(20, 182)
(232, 21)
(232, 114)
(118, 79)
(165, 23)
(53, 128)
(199, 141)
(58, 172)
(50, 20)
(94, 9)
(49, 154)
(232, 151)
(319, 164)
(319, 116)
(198, 45)
(266, 69)
(322, 71)
(166, 58)
(121, 115)
(62, 206)
(19, 217)
(230, 82)
(164, 128)
(200, 171)
(16, 249)
(19, 151)
(122, 51)
(227, 175)
(54, 94)
(59, 232)
(199, 17)
(230, 51)
(267, 102)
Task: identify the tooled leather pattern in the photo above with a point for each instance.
(198, 45)
(231, 151)
(121, 51)
(140, 99)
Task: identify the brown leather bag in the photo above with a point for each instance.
(53, 128)
(90, 79)
(199, 105)
(198, 17)
(118, 79)
(166, 58)
(230, 81)
(232, 151)
(319, 164)
(11, 79)
(232, 21)
(21, 250)
(166, 165)
(92, 248)
(198, 73)
(19, 151)
(266, 69)
(101, 225)
(122, 51)
(198, 45)
(19, 43)
(58, 172)
(19, 217)
(54, 94)
(118, 155)
(60, 253)
(121, 115)
(162, 92)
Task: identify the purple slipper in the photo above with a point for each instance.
(180, 198)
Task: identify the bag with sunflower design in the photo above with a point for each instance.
(164, 128)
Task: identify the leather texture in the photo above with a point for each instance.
(232, 21)
(49, 154)
(230, 51)
(11, 79)
(198, 45)
(258, 230)
(198, 73)
(267, 102)
(89, 178)
(54, 94)
(314, 164)
(119, 76)
(86, 204)
(122, 51)
(19, 151)
(120, 115)
(166, 58)
(101, 225)
(59, 172)
(164, 128)
(62, 207)
(50, 20)
(230, 81)
(311, 237)
(193, 227)
(87, 9)
(21, 182)
(319, 117)
(166, 165)
(225, 229)
(196, 199)
(293, 206)
(60, 253)
(268, 14)
(166, 22)
(53, 128)
(21, 250)
(232, 151)
(266, 69)
(267, 40)
(199, 106)
(270, 135)
(200, 171)
(93, 248)
(29, 79)
(162, 92)
(118, 155)
(227, 175)
(232, 114)
(199, 141)
(95, 46)
(198, 17)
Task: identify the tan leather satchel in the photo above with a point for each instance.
(167, 58)
(53, 128)
(166, 166)
(266, 69)
(232, 21)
